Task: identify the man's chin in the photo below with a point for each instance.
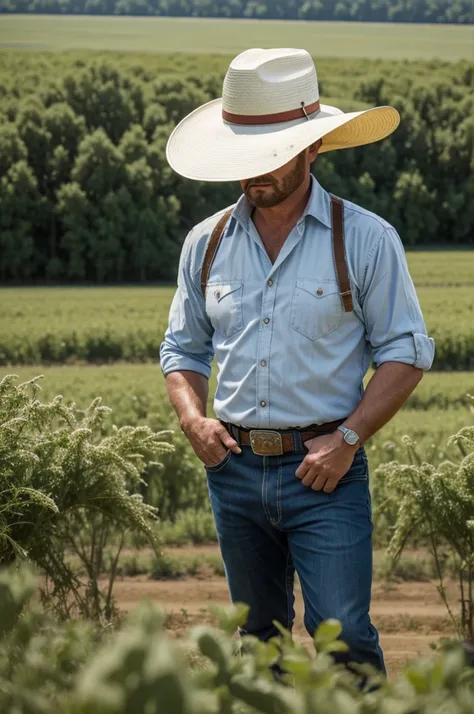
(263, 203)
(261, 199)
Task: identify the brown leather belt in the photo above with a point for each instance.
(272, 442)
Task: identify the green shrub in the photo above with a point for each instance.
(178, 484)
(168, 567)
(67, 489)
(39, 657)
(133, 564)
(436, 503)
(407, 567)
(48, 667)
(164, 567)
(190, 526)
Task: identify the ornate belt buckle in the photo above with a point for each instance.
(266, 443)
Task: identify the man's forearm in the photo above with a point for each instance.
(389, 388)
(188, 392)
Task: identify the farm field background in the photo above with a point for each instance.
(102, 324)
(83, 159)
(405, 607)
(131, 321)
(104, 341)
(136, 393)
(62, 80)
(220, 36)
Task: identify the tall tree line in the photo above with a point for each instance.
(86, 193)
(432, 11)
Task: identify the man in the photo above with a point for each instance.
(302, 291)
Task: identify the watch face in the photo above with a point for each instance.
(351, 437)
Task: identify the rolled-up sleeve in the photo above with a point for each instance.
(394, 322)
(188, 339)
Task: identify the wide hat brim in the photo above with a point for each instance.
(203, 147)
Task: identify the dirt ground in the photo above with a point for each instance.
(408, 615)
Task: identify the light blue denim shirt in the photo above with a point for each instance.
(287, 353)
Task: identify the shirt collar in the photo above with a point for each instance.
(318, 206)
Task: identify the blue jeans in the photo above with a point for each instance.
(269, 525)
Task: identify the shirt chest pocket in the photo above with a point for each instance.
(224, 306)
(316, 308)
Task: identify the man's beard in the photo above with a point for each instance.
(279, 191)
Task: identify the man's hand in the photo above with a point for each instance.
(329, 458)
(210, 440)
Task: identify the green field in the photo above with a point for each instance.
(71, 326)
(86, 104)
(322, 39)
(436, 268)
(120, 384)
(106, 324)
(137, 395)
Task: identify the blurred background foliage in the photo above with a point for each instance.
(86, 194)
(460, 11)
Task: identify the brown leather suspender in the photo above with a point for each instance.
(337, 214)
(212, 248)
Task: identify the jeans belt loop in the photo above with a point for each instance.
(297, 441)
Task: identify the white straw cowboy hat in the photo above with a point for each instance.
(269, 113)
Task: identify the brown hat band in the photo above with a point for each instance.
(249, 119)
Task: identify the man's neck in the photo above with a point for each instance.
(289, 211)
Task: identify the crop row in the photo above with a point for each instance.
(101, 325)
(137, 396)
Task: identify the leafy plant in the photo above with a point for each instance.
(436, 503)
(47, 667)
(39, 657)
(66, 489)
(191, 526)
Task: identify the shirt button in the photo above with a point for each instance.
(266, 320)
(263, 404)
(319, 291)
(263, 362)
(217, 293)
(270, 282)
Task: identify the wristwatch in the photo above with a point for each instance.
(350, 437)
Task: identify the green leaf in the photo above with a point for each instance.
(231, 617)
(16, 588)
(287, 637)
(327, 632)
(436, 679)
(213, 645)
(259, 694)
(417, 679)
(453, 664)
(297, 664)
(337, 646)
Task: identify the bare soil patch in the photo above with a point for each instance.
(409, 615)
